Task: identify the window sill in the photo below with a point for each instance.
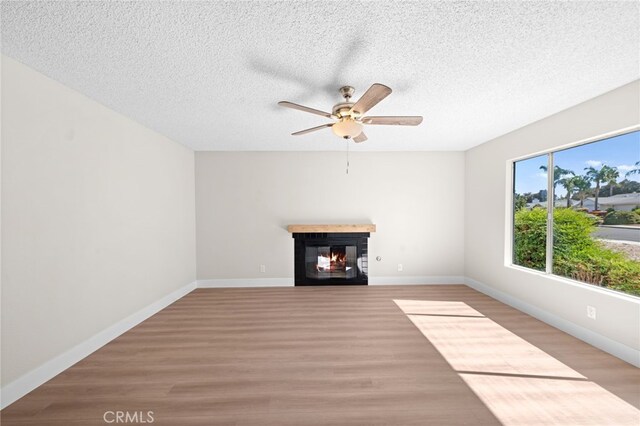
(575, 283)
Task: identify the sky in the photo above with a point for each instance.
(619, 151)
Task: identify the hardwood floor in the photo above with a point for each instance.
(361, 355)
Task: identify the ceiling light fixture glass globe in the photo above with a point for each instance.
(347, 128)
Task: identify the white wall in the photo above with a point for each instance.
(617, 327)
(245, 200)
(98, 218)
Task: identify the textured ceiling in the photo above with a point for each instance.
(209, 74)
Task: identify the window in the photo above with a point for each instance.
(530, 213)
(590, 232)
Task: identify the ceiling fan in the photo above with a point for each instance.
(349, 115)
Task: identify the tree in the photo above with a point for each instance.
(519, 202)
(540, 196)
(626, 186)
(558, 174)
(582, 185)
(597, 176)
(635, 171)
(569, 183)
(610, 176)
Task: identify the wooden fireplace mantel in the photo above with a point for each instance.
(369, 227)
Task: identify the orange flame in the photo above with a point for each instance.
(336, 261)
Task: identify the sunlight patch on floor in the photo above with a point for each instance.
(517, 381)
(434, 307)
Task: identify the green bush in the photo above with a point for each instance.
(572, 229)
(621, 218)
(599, 266)
(576, 255)
(530, 238)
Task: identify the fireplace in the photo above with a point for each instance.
(331, 258)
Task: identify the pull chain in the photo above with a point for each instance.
(347, 155)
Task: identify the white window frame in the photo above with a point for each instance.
(509, 243)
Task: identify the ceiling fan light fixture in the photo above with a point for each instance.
(347, 128)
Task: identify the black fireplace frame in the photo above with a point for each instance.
(304, 239)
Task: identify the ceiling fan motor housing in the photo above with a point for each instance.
(343, 109)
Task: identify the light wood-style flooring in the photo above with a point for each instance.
(361, 355)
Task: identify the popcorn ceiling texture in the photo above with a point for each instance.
(209, 74)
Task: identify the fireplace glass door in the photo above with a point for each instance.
(338, 258)
(331, 261)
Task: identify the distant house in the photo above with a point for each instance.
(625, 202)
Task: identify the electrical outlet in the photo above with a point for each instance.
(400, 267)
(263, 268)
(591, 312)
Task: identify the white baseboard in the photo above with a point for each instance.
(245, 282)
(431, 280)
(31, 380)
(289, 282)
(617, 349)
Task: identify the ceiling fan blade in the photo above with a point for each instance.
(399, 121)
(371, 97)
(360, 138)
(313, 129)
(304, 108)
